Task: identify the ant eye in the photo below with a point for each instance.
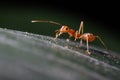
(66, 28)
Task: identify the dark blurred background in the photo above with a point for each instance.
(100, 18)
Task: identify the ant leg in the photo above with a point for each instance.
(102, 42)
(56, 36)
(81, 42)
(58, 33)
(88, 52)
(76, 35)
(68, 39)
(81, 28)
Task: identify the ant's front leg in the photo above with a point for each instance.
(58, 33)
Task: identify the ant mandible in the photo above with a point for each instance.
(78, 34)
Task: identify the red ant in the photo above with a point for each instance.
(88, 37)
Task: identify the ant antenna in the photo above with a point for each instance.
(53, 22)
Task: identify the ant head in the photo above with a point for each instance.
(64, 29)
